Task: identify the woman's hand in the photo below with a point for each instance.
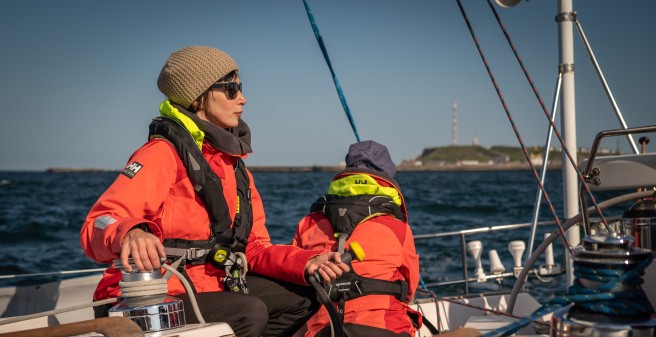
(328, 265)
(144, 248)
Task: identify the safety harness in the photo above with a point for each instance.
(345, 213)
(226, 244)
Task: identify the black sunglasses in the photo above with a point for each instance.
(231, 88)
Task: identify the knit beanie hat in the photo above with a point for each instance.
(190, 71)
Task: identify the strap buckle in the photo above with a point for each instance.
(196, 253)
(192, 255)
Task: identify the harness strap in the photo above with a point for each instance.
(340, 308)
(433, 330)
(206, 183)
(344, 291)
(361, 286)
(234, 264)
(192, 255)
(398, 289)
(337, 326)
(228, 238)
(194, 251)
(341, 242)
(244, 217)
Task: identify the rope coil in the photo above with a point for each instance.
(142, 288)
(618, 293)
(605, 295)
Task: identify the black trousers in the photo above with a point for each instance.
(272, 308)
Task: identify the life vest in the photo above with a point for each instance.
(225, 238)
(345, 213)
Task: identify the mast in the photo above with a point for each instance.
(565, 19)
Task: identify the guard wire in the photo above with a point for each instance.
(154, 288)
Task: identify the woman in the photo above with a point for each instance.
(186, 195)
(364, 204)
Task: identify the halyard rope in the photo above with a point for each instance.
(324, 51)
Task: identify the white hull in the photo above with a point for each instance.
(19, 301)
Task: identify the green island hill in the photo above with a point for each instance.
(441, 158)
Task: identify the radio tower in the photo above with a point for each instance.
(454, 123)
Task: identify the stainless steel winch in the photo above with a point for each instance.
(152, 310)
(640, 220)
(610, 251)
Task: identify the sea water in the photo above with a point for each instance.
(41, 214)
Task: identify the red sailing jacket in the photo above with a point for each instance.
(160, 195)
(390, 255)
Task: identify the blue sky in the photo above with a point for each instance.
(78, 77)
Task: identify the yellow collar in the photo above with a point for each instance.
(166, 109)
(356, 184)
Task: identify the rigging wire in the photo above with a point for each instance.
(512, 123)
(491, 311)
(609, 94)
(463, 302)
(543, 172)
(546, 112)
(324, 51)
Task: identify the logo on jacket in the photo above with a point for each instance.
(131, 170)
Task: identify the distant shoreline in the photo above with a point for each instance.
(408, 168)
(71, 169)
(316, 168)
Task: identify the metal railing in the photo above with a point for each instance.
(462, 234)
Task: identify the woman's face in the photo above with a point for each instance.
(221, 110)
